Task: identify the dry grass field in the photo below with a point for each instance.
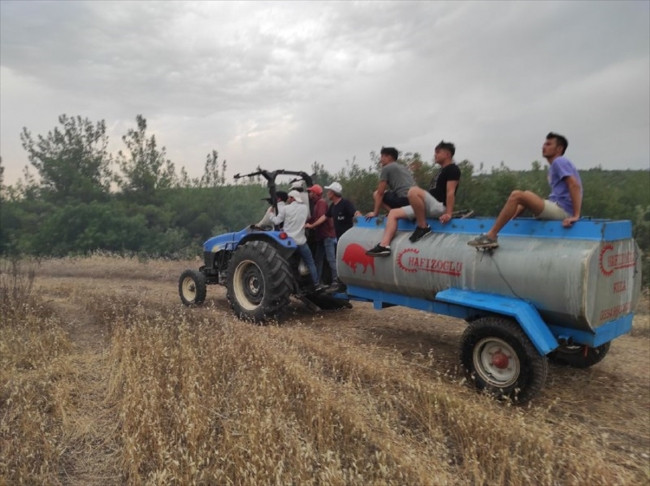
(106, 379)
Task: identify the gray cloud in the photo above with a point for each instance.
(284, 84)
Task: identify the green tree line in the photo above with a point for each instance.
(82, 198)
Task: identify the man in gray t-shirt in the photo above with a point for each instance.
(395, 180)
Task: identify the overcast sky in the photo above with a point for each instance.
(285, 84)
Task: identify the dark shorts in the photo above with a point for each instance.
(393, 201)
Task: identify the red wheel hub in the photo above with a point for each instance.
(500, 360)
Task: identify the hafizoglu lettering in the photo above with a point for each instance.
(410, 261)
(610, 261)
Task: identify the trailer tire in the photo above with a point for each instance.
(500, 359)
(579, 356)
(259, 282)
(191, 287)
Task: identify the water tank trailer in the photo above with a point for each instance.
(547, 292)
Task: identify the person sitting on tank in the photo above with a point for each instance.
(394, 182)
(564, 202)
(265, 223)
(437, 202)
(294, 216)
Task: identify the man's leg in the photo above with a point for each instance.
(383, 247)
(329, 245)
(416, 200)
(525, 199)
(306, 255)
(391, 225)
(319, 256)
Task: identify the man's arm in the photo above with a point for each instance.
(378, 196)
(280, 217)
(318, 222)
(576, 199)
(450, 200)
(351, 209)
(266, 220)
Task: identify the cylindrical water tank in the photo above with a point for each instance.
(579, 278)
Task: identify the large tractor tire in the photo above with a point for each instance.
(259, 282)
(191, 287)
(500, 359)
(579, 356)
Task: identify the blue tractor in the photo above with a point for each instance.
(260, 269)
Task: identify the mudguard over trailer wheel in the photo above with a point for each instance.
(500, 359)
(191, 287)
(579, 356)
(259, 282)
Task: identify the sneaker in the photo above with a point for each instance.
(419, 233)
(379, 251)
(483, 242)
(336, 287)
(318, 288)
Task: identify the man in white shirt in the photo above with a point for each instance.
(294, 215)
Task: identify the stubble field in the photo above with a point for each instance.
(105, 378)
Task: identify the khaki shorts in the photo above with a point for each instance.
(432, 207)
(552, 211)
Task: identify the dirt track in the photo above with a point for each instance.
(610, 400)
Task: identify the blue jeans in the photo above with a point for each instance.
(327, 249)
(306, 255)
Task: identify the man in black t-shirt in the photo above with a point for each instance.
(438, 201)
(442, 191)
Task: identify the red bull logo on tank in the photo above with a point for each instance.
(355, 256)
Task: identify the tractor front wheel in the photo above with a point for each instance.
(191, 287)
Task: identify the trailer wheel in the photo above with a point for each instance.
(259, 282)
(191, 287)
(579, 356)
(500, 359)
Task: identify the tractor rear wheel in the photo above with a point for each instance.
(259, 282)
(191, 287)
(500, 359)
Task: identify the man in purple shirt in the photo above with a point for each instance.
(564, 202)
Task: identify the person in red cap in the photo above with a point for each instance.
(324, 235)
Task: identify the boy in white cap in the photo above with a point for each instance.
(294, 216)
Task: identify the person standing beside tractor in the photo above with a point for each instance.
(324, 235)
(438, 202)
(395, 180)
(564, 203)
(341, 211)
(294, 216)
